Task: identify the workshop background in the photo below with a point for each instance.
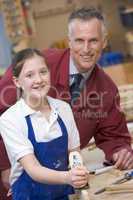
(43, 24)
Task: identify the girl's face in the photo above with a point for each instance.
(34, 79)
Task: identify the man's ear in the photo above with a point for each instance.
(105, 42)
(16, 82)
(69, 41)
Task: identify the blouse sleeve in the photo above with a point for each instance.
(16, 142)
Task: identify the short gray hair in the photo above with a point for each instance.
(86, 14)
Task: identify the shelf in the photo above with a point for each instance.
(55, 11)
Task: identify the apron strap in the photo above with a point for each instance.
(31, 134)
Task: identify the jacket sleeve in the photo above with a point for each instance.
(7, 91)
(112, 134)
(7, 98)
(4, 161)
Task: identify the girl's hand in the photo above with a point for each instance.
(78, 177)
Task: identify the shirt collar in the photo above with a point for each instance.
(27, 110)
(73, 70)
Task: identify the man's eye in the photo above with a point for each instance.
(79, 40)
(94, 40)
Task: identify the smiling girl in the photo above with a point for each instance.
(38, 132)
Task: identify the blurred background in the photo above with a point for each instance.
(43, 23)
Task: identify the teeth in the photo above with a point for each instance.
(87, 57)
(38, 87)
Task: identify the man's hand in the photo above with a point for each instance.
(123, 159)
(5, 178)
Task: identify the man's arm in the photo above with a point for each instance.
(4, 161)
(113, 136)
(4, 165)
(7, 98)
(7, 90)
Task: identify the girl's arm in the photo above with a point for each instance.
(76, 177)
(40, 173)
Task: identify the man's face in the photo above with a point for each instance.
(86, 42)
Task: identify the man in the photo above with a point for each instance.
(96, 110)
(95, 102)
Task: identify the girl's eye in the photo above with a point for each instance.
(29, 75)
(44, 72)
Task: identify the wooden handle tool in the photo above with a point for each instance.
(119, 188)
(75, 160)
(102, 170)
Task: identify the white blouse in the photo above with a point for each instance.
(14, 130)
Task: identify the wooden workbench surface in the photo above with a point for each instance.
(106, 179)
(99, 181)
(93, 159)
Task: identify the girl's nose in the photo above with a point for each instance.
(38, 78)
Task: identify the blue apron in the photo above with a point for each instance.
(53, 155)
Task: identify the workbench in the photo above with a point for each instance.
(94, 159)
